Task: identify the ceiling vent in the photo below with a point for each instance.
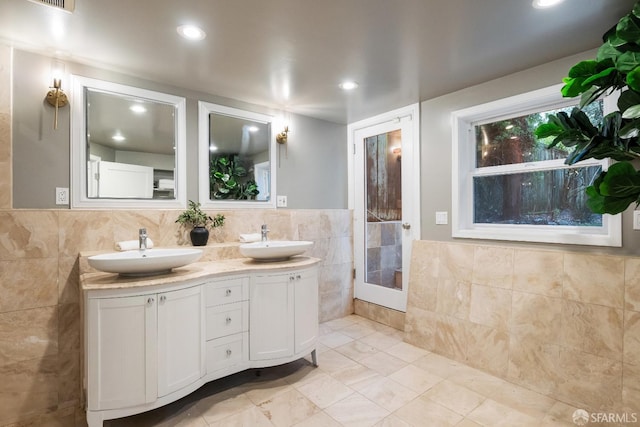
(67, 5)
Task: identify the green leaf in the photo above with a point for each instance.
(572, 87)
(608, 205)
(611, 125)
(604, 195)
(231, 183)
(621, 186)
(630, 130)
(583, 69)
(631, 112)
(607, 51)
(563, 119)
(628, 61)
(595, 201)
(583, 122)
(598, 76)
(628, 29)
(633, 79)
(588, 96)
(627, 99)
(619, 169)
(614, 205)
(611, 32)
(618, 42)
(546, 130)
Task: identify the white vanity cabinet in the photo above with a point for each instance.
(180, 339)
(121, 352)
(271, 319)
(305, 311)
(141, 347)
(284, 314)
(227, 325)
(150, 342)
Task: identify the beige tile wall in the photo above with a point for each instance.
(5, 127)
(39, 298)
(377, 313)
(560, 323)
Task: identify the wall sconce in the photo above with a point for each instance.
(57, 98)
(281, 138)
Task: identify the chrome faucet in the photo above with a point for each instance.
(264, 230)
(142, 239)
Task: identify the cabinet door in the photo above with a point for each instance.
(180, 339)
(306, 309)
(271, 316)
(121, 352)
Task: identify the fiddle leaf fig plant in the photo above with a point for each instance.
(616, 68)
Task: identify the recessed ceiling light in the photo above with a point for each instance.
(138, 108)
(213, 148)
(254, 128)
(543, 4)
(348, 85)
(118, 137)
(191, 32)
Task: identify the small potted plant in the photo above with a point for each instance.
(199, 220)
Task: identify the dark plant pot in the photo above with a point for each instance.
(199, 236)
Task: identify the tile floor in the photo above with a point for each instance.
(367, 376)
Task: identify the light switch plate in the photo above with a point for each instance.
(442, 218)
(636, 220)
(281, 201)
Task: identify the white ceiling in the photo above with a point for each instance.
(291, 54)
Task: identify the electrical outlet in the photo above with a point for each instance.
(281, 201)
(62, 196)
(636, 220)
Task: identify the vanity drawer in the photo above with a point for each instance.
(228, 319)
(226, 291)
(227, 351)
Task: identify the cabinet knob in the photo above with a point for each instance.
(150, 301)
(298, 276)
(229, 352)
(228, 319)
(228, 293)
(163, 298)
(292, 278)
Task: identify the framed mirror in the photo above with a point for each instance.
(128, 147)
(237, 158)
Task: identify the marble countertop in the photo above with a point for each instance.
(197, 270)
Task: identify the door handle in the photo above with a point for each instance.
(406, 226)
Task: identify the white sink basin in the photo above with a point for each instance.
(274, 250)
(151, 261)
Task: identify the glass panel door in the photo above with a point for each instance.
(385, 198)
(383, 188)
